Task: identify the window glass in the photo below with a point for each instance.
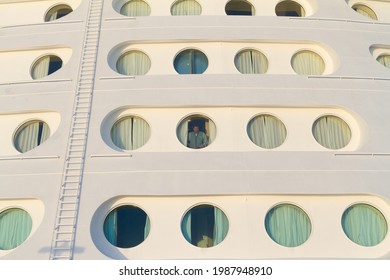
(31, 135)
(45, 66)
(135, 8)
(205, 226)
(331, 132)
(191, 62)
(58, 12)
(196, 132)
(289, 9)
(251, 62)
(133, 63)
(15, 227)
(288, 225)
(266, 131)
(126, 226)
(186, 8)
(307, 63)
(130, 133)
(239, 8)
(364, 224)
(384, 59)
(365, 11)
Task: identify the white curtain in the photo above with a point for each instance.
(211, 131)
(31, 135)
(186, 8)
(135, 8)
(41, 68)
(307, 63)
(331, 132)
(251, 62)
(365, 11)
(182, 132)
(15, 227)
(267, 131)
(288, 225)
(221, 226)
(130, 133)
(133, 63)
(384, 60)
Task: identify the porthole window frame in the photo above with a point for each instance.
(274, 116)
(41, 57)
(293, 204)
(125, 52)
(297, 52)
(56, 6)
(365, 7)
(23, 125)
(19, 207)
(249, 2)
(251, 49)
(339, 117)
(385, 54)
(205, 203)
(296, 2)
(126, 2)
(196, 115)
(189, 49)
(124, 204)
(122, 117)
(377, 208)
(178, 1)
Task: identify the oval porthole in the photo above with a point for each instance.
(130, 133)
(331, 132)
(15, 227)
(30, 135)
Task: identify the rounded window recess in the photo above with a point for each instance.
(251, 62)
(31, 135)
(365, 11)
(364, 224)
(130, 133)
(239, 8)
(58, 12)
(384, 59)
(126, 226)
(288, 225)
(135, 8)
(45, 66)
(331, 132)
(196, 132)
(289, 9)
(191, 62)
(186, 8)
(133, 63)
(307, 63)
(266, 131)
(205, 226)
(15, 227)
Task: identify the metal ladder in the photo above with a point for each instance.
(64, 235)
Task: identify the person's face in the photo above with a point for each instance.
(196, 129)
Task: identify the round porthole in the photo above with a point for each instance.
(307, 63)
(331, 132)
(130, 133)
(196, 132)
(31, 135)
(186, 8)
(15, 227)
(266, 131)
(58, 12)
(133, 63)
(135, 8)
(191, 62)
(251, 61)
(45, 66)
(365, 11)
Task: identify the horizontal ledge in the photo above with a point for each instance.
(120, 19)
(31, 157)
(340, 20)
(42, 23)
(348, 78)
(118, 78)
(112, 156)
(364, 154)
(36, 82)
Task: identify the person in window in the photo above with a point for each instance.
(197, 139)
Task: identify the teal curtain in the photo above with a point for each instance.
(110, 227)
(15, 227)
(331, 132)
(221, 226)
(364, 225)
(186, 226)
(266, 131)
(288, 225)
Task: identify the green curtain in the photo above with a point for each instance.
(365, 11)
(266, 131)
(186, 8)
(15, 227)
(331, 132)
(364, 225)
(384, 60)
(251, 62)
(288, 225)
(135, 8)
(133, 63)
(307, 63)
